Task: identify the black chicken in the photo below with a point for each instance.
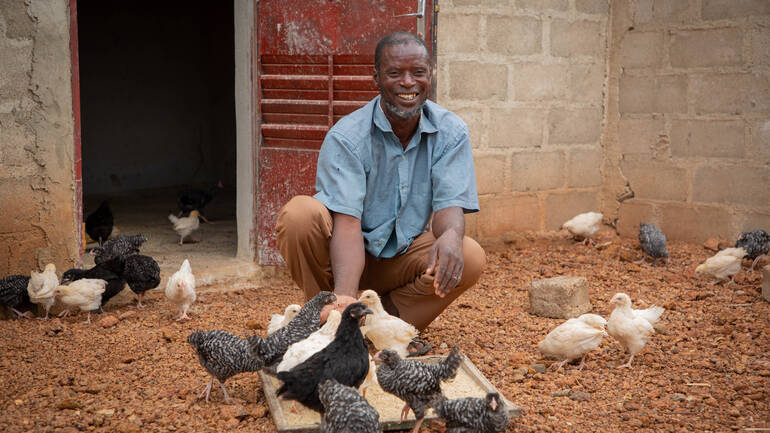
(653, 241)
(223, 355)
(474, 415)
(101, 271)
(756, 243)
(415, 382)
(142, 273)
(196, 199)
(345, 411)
(345, 359)
(123, 245)
(272, 348)
(13, 293)
(99, 223)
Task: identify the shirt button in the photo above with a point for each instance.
(403, 156)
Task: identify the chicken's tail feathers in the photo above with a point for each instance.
(173, 218)
(448, 367)
(652, 314)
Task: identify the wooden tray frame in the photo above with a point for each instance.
(282, 425)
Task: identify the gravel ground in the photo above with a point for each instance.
(706, 370)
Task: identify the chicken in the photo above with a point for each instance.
(196, 199)
(345, 410)
(99, 223)
(180, 289)
(13, 293)
(345, 359)
(278, 321)
(41, 288)
(583, 226)
(653, 241)
(272, 348)
(723, 265)
(382, 329)
(574, 339)
(184, 226)
(300, 351)
(123, 245)
(415, 382)
(631, 328)
(85, 294)
(371, 377)
(474, 415)
(223, 355)
(756, 243)
(101, 271)
(140, 272)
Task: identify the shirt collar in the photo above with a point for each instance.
(425, 124)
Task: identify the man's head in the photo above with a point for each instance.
(403, 74)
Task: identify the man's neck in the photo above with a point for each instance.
(404, 128)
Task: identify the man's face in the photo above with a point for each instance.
(403, 78)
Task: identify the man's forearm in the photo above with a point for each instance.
(449, 218)
(346, 251)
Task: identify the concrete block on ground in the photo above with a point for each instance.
(560, 297)
(766, 283)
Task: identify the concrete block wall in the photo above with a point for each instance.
(528, 78)
(687, 138)
(37, 208)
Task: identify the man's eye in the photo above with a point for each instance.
(393, 74)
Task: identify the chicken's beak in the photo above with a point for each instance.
(493, 404)
(367, 311)
(376, 357)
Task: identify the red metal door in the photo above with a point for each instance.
(315, 62)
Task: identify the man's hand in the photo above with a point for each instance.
(445, 262)
(342, 302)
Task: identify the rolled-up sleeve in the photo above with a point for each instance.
(340, 177)
(453, 176)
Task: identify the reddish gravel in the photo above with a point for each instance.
(708, 369)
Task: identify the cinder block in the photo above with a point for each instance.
(639, 135)
(490, 3)
(560, 297)
(640, 10)
(723, 9)
(15, 160)
(515, 213)
(766, 283)
(490, 173)
(579, 38)
(759, 41)
(651, 94)
(586, 83)
(577, 125)
(631, 213)
(707, 138)
(754, 220)
(641, 49)
(17, 64)
(466, 83)
(537, 171)
(584, 168)
(735, 184)
(471, 225)
(656, 181)
(760, 138)
(516, 127)
(18, 22)
(731, 93)
(513, 35)
(558, 5)
(18, 249)
(537, 82)
(711, 47)
(673, 11)
(694, 223)
(474, 118)
(560, 207)
(459, 33)
(592, 6)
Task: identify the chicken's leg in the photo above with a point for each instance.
(557, 365)
(417, 425)
(88, 320)
(627, 364)
(139, 302)
(404, 412)
(19, 314)
(206, 390)
(582, 362)
(64, 313)
(224, 390)
(183, 316)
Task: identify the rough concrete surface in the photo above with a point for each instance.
(559, 297)
(766, 283)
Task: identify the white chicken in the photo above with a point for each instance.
(300, 351)
(370, 379)
(85, 294)
(180, 289)
(632, 328)
(185, 225)
(723, 265)
(41, 288)
(278, 321)
(382, 329)
(574, 339)
(584, 225)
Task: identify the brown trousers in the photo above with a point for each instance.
(304, 230)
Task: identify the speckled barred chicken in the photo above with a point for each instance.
(345, 411)
(223, 355)
(474, 415)
(272, 348)
(756, 244)
(415, 382)
(13, 293)
(123, 245)
(653, 241)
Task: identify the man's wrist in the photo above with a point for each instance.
(353, 293)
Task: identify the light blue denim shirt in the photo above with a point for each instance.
(363, 171)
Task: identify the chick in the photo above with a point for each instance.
(653, 241)
(574, 339)
(41, 288)
(756, 243)
(115, 284)
(85, 294)
(99, 223)
(180, 289)
(723, 265)
(13, 293)
(304, 349)
(185, 225)
(278, 321)
(631, 328)
(140, 272)
(584, 225)
(382, 329)
(345, 410)
(474, 415)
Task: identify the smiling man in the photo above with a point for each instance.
(383, 172)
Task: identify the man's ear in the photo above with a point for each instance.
(374, 77)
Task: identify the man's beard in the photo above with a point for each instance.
(402, 114)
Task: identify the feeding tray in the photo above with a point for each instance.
(469, 382)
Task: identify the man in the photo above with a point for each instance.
(383, 170)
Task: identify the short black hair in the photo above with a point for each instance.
(397, 38)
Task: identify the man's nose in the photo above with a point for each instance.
(408, 80)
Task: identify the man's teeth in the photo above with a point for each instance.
(407, 96)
